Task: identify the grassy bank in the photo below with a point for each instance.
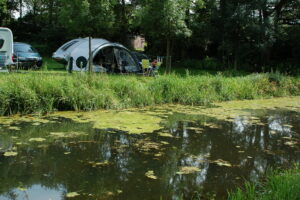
(279, 185)
(44, 92)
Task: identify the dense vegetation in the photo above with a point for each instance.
(44, 92)
(256, 35)
(279, 185)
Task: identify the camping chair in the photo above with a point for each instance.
(145, 66)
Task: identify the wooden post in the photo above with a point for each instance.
(90, 56)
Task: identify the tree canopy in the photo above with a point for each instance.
(241, 34)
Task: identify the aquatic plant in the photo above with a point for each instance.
(278, 185)
(47, 92)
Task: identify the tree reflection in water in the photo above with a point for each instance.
(109, 163)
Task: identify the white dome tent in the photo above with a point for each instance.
(106, 56)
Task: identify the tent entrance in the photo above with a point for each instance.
(114, 60)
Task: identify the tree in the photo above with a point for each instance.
(87, 17)
(3, 11)
(164, 20)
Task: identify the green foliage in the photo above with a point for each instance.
(50, 64)
(46, 92)
(278, 185)
(164, 19)
(84, 17)
(3, 10)
(256, 36)
(206, 64)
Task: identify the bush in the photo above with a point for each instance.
(207, 63)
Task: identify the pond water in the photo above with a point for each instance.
(164, 152)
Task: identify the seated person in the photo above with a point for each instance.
(154, 64)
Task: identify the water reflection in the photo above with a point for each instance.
(34, 192)
(110, 164)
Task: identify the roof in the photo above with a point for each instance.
(69, 46)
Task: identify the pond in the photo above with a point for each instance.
(162, 152)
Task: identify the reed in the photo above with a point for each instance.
(278, 185)
(46, 92)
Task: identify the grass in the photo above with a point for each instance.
(52, 65)
(279, 185)
(50, 91)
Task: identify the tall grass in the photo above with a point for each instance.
(46, 92)
(278, 186)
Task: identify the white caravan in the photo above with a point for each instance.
(6, 48)
(106, 56)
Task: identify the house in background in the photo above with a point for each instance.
(137, 42)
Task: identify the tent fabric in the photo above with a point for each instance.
(76, 54)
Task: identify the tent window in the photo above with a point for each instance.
(1, 43)
(67, 46)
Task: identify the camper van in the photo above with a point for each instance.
(6, 49)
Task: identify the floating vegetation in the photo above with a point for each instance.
(22, 189)
(98, 164)
(147, 145)
(119, 191)
(158, 154)
(15, 128)
(228, 111)
(131, 121)
(188, 170)
(71, 134)
(10, 154)
(43, 146)
(150, 174)
(72, 194)
(272, 132)
(17, 119)
(196, 129)
(108, 157)
(222, 163)
(164, 142)
(291, 143)
(37, 139)
(287, 125)
(165, 135)
(211, 125)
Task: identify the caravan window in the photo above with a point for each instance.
(1, 43)
(67, 46)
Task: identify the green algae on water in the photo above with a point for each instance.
(10, 153)
(188, 170)
(133, 122)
